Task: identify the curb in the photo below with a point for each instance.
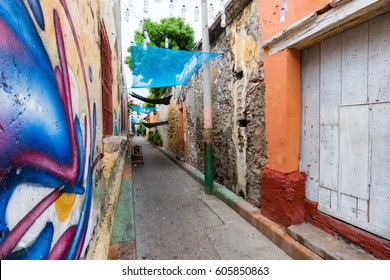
(103, 240)
(123, 245)
(276, 233)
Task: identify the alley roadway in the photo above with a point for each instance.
(175, 219)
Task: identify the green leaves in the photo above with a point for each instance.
(181, 37)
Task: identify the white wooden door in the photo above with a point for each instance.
(345, 139)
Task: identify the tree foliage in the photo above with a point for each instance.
(180, 36)
(155, 93)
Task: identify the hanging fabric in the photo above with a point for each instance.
(150, 125)
(164, 101)
(160, 67)
(143, 110)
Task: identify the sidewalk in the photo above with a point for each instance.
(123, 230)
(175, 219)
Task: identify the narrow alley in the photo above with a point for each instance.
(264, 129)
(175, 219)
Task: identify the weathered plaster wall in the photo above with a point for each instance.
(172, 134)
(238, 108)
(51, 186)
(194, 103)
(115, 148)
(172, 127)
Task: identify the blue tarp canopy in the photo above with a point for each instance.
(143, 110)
(159, 67)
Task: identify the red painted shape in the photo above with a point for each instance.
(62, 246)
(283, 197)
(375, 245)
(24, 224)
(2, 174)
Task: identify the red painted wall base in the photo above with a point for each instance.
(377, 246)
(283, 197)
(283, 201)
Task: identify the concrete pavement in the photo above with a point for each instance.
(175, 219)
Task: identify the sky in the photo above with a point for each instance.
(157, 9)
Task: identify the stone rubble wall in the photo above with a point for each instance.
(238, 89)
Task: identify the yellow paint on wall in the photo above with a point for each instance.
(240, 41)
(64, 205)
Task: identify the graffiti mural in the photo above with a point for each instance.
(47, 147)
(116, 123)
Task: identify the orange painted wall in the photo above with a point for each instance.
(153, 118)
(282, 80)
(269, 14)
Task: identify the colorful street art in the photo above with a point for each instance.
(116, 123)
(47, 148)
